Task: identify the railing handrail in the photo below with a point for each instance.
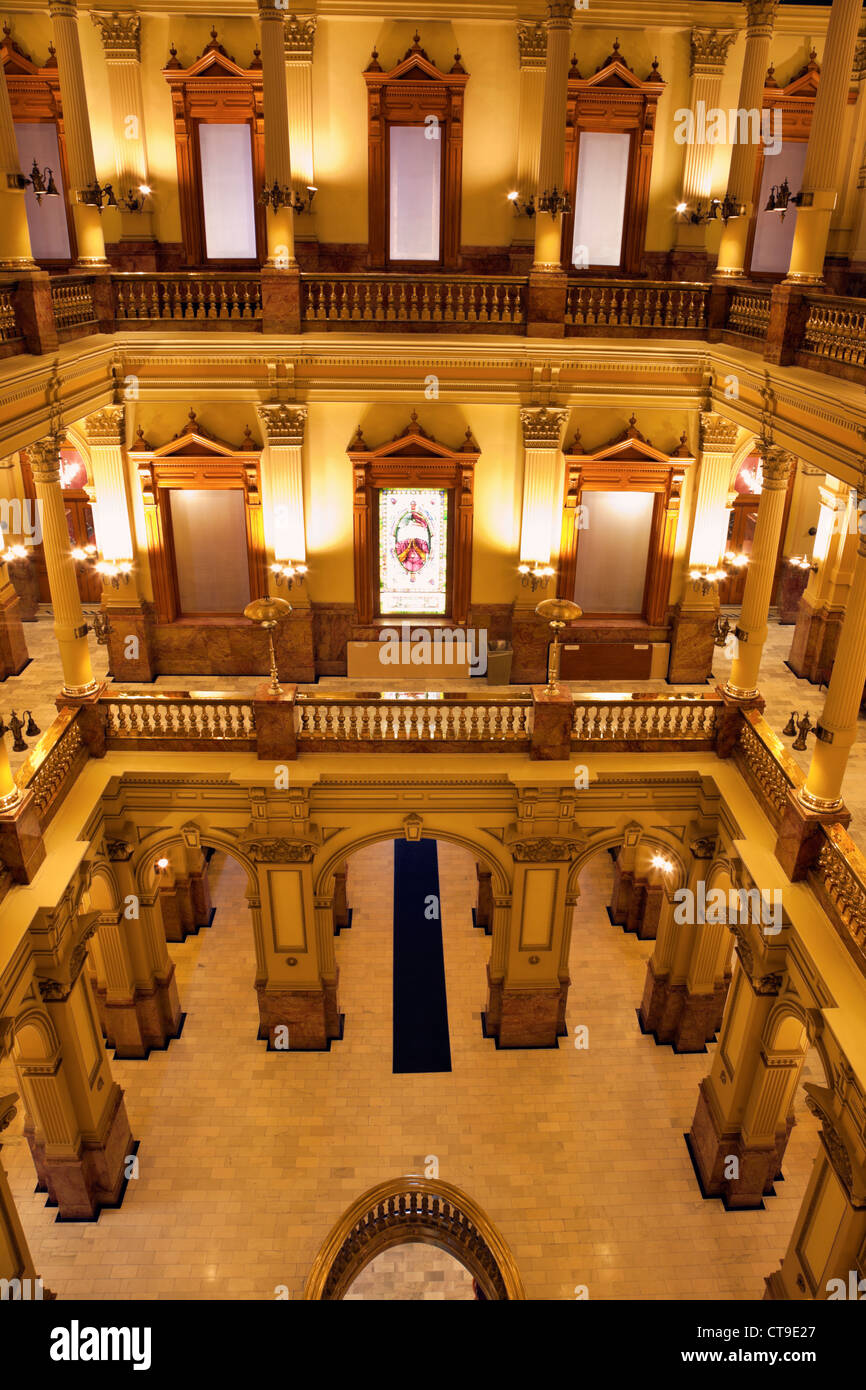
(428, 277)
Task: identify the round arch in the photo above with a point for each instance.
(654, 841)
(749, 444)
(411, 1210)
(791, 1027)
(35, 1037)
(143, 863)
(102, 893)
(324, 868)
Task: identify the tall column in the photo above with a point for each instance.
(34, 313)
(741, 177)
(837, 727)
(857, 243)
(79, 145)
(819, 617)
(278, 164)
(542, 483)
(284, 426)
(709, 49)
(692, 648)
(121, 40)
(300, 34)
(532, 48)
(547, 287)
(13, 648)
(751, 631)
(822, 156)
(69, 625)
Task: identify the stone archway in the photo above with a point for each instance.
(414, 1209)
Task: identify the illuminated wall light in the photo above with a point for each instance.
(661, 863)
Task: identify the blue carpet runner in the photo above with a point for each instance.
(421, 1041)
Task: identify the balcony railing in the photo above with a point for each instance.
(749, 311)
(836, 329)
(635, 306)
(461, 302)
(72, 301)
(190, 299)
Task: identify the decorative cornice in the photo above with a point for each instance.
(710, 51)
(531, 43)
(120, 34)
(718, 433)
(283, 424)
(560, 9)
(107, 426)
(542, 429)
(545, 851)
(273, 850)
(300, 38)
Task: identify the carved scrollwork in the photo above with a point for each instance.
(274, 850)
(545, 851)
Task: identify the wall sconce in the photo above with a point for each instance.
(722, 631)
(15, 727)
(288, 571)
(554, 202)
(97, 194)
(135, 198)
(781, 198)
(161, 866)
(521, 208)
(14, 552)
(111, 571)
(800, 562)
(535, 576)
(278, 196)
(40, 180)
(705, 578)
(718, 210)
(663, 865)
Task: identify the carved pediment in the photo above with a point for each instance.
(195, 441)
(212, 62)
(16, 63)
(414, 66)
(630, 447)
(413, 442)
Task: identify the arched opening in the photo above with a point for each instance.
(414, 1210)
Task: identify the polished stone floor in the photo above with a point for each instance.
(248, 1158)
(37, 686)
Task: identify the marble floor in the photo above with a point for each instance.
(37, 686)
(249, 1157)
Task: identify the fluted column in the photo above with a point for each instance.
(551, 160)
(300, 34)
(837, 726)
(857, 245)
(76, 123)
(822, 606)
(751, 632)
(69, 625)
(15, 249)
(532, 48)
(741, 177)
(822, 156)
(542, 483)
(278, 164)
(106, 435)
(282, 480)
(709, 50)
(709, 536)
(121, 40)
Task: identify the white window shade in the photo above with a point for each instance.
(49, 230)
(210, 550)
(415, 192)
(599, 212)
(612, 551)
(227, 192)
(773, 237)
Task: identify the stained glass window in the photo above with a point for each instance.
(413, 550)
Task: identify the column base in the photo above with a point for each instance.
(692, 646)
(711, 1152)
(81, 1186)
(545, 310)
(674, 1018)
(525, 1017)
(800, 839)
(145, 1023)
(311, 1017)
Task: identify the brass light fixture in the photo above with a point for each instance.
(267, 612)
(781, 198)
(98, 194)
(558, 613)
(279, 196)
(801, 562)
(522, 207)
(111, 571)
(17, 726)
(135, 198)
(288, 572)
(536, 575)
(554, 202)
(40, 180)
(717, 210)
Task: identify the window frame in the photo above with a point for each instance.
(392, 618)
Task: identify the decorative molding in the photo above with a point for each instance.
(283, 424)
(545, 851)
(44, 459)
(532, 43)
(542, 429)
(760, 16)
(275, 850)
(8, 1110)
(118, 851)
(819, 1099)
(710, 49)
(120, 34)
(300, 38)
(777, 464)
(704, 848)
(718, 433)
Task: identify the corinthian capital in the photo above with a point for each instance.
(532, 43)
(106, 426)
(710, 51)
(718, 434)
(120, 34)
(300, 37)
(777, 464)
(283, 424)
(44, 459)
(542, 428)
(760, 16)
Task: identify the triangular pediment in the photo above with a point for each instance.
(615, 75)
(16, 62)
(413, 68)
(413, 443)
(212, 63)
